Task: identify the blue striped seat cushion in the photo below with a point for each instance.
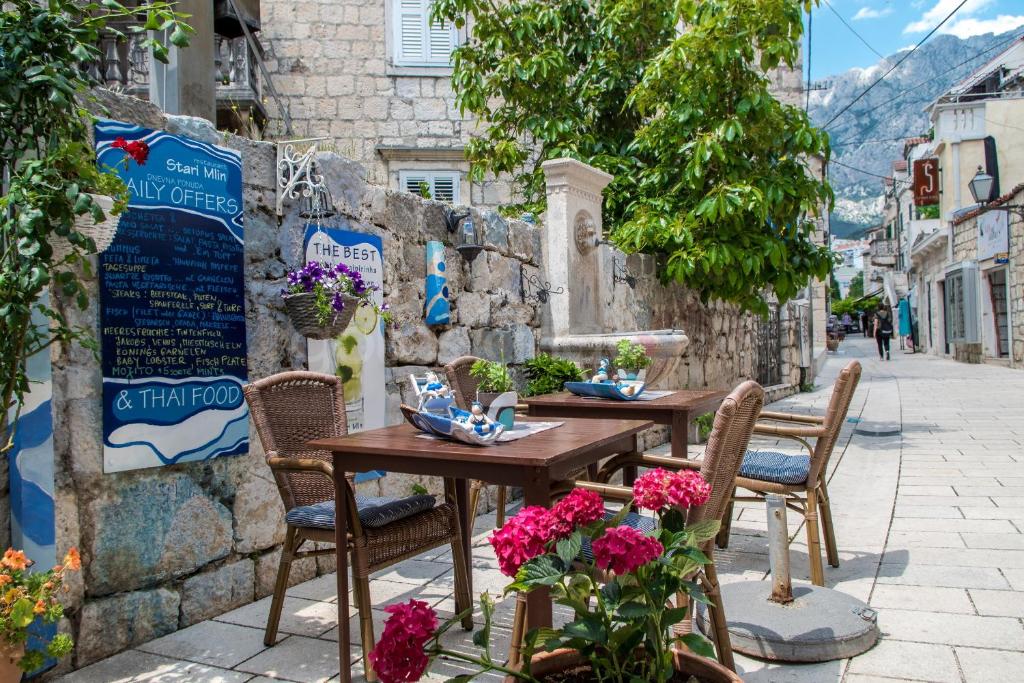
(373, 512)
(644, 524)
(775, 467)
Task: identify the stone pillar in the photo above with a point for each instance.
(571, 239)
(185, 85)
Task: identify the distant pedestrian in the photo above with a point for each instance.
(847, 323)
(883, 332)
(864, 323)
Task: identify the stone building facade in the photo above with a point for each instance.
(374, 78)
(164, 548)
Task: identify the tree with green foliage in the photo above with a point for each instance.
(857, 286)
(48, 168)
(711, 171)
(834, 291)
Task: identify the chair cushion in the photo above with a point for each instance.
(373, 512)
(775, 467)
(644, 524)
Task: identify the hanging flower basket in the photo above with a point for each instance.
(102, 233)
(321, 299)
(302, 311)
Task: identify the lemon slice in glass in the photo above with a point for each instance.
(365, 319)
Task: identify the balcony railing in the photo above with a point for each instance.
(125, 65)
(883, 252)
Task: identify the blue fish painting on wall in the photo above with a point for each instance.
(438, 310)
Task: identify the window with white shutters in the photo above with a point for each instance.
(442, 185)
(417, 41)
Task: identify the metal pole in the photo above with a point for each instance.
(778, 549)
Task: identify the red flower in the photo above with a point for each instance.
(657, 489)
(523, 538)
(624, 549)
(136, 149)
(579, 508)
(398, 656)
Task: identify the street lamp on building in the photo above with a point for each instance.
(982, 186)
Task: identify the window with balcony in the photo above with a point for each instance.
(416, 40)
(440, 185)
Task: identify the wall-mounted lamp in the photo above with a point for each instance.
(982, 187)
(468, 242)
(537, 290)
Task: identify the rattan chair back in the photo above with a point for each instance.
(290, 409)
(730, 436)
(464, 384)
(835, 417)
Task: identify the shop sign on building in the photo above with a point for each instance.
(926, 182)
(994, 236)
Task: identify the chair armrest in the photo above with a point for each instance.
(791, 417)
(623, 494)
(789, 431)
(279, 464)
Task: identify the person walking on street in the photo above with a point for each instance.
(883, 332)
(865, 323)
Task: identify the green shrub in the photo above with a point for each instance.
(630, 356)
(493, 376)
(548, 373)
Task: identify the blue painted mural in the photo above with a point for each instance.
(438, 310)
(172, 302)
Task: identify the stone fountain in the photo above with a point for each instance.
(574, 261)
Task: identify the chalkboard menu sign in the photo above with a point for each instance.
(172, 298)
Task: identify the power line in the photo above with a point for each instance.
(914, 87)
(895, 66)
(876, 175)
(852, 30)
(868, 142)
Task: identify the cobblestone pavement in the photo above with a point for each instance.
(928, 525)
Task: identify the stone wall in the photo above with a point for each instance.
(165, 548)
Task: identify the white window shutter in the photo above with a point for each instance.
(444, 187)
(411, 182)
(411, 18)
(418, 42)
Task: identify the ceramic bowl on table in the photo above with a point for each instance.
(456, 426)
(623, 391)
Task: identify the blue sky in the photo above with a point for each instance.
(889, 25)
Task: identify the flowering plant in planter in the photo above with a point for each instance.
(330, 295)
(620, 582)
(26, 596)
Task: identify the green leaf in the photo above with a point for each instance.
(545, 570)
(21, 613)
(699, 645)
(589, 629)
(569, 548)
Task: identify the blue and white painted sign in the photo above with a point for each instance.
(357, 355)
(172, 303)
(437, 309)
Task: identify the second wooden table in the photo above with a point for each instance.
(675, 410)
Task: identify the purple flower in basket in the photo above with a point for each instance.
(330, 284)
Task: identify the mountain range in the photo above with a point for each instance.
(869, 136)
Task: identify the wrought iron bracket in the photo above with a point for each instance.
(620, 273)
(297, 170)
(453, 217)
(538, 291)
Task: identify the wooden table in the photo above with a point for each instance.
(676, 410)
(534, 463)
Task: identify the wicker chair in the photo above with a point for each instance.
(765, 472)
(730, 436)
(465, 386)
(289, 410)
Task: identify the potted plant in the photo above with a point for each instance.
(321, 299)
(28, 596)
(622, 593)
(548, 374)
(630, 359)
(495, 386)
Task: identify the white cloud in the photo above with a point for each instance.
(941, 9)
(965, 28)
(872, 13)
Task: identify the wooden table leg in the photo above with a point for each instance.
(341, 554)
(629, 473)
(680, 433)
(466, 522)
(538, 601)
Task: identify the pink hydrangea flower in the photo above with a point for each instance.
(399, 656)
(523, 538)
(658, 489)
(624, 549)
(579, 508)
